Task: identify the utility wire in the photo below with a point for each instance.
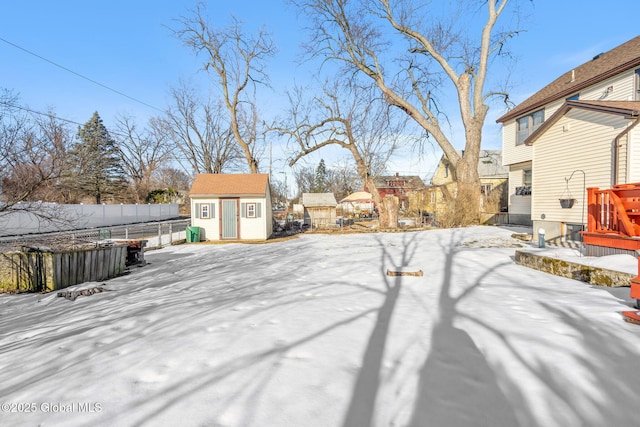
(53, 116)
(19, 107)
(80, 75)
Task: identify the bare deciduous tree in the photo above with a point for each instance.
(236, 61)
(200, 132)
(364, 36)
(144, 151)
(351, 118)
(32, 152)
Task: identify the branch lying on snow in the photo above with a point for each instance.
(72, 295)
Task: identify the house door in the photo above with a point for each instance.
(229, 219)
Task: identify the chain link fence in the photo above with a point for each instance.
(157, 234)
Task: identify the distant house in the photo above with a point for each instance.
(579, 131)
(232, 206)
(399, 186)
(493, 184)
(319, 209)
(359, 204)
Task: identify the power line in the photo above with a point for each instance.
(19, 107)
(53, 116)
(80, 75)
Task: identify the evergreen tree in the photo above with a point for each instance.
(321, 184)
(95, 166)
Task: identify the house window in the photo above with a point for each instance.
(485, 189)
(525, 189)
(638, 84)
(527, 125)
(251, 210)
(433, 197)
(204, 210)
(574, 97)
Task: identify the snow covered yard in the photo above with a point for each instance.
(312, 332)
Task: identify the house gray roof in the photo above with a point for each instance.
(318, 200)
(601, 67)
(490, 165)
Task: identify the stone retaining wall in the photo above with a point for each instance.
(585, 273)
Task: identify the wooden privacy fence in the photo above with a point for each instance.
(41, 270)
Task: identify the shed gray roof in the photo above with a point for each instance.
(318, 199)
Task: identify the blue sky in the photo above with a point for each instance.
(126, 46)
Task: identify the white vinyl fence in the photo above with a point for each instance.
(53, 217)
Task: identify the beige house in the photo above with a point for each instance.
(577, 132)
(493, 183)
(319, 209)
(357, 205)
(231, 206)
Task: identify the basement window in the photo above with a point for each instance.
(572, 232)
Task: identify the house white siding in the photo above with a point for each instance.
(512, 153)
(518, 204)
(617, 88)
(580, 140)
(633, 171)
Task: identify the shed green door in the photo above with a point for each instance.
(229, 219)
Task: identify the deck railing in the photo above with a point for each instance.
(615, 210)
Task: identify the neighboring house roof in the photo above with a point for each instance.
(316, 200)
(358, 196)
(217, 184)
(411, 182)
(627, 109)
(601, 67)
(489, 164)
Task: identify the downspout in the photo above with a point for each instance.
(616, 148)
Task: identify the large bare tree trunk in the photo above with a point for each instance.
(391, 206)
(444, 59)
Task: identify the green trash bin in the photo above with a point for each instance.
(193, 234)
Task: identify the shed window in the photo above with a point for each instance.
(251, 210)
(205, 210)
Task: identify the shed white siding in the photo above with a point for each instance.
(259, 227)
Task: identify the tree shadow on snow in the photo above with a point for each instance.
(362, 405)
(457, 387)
